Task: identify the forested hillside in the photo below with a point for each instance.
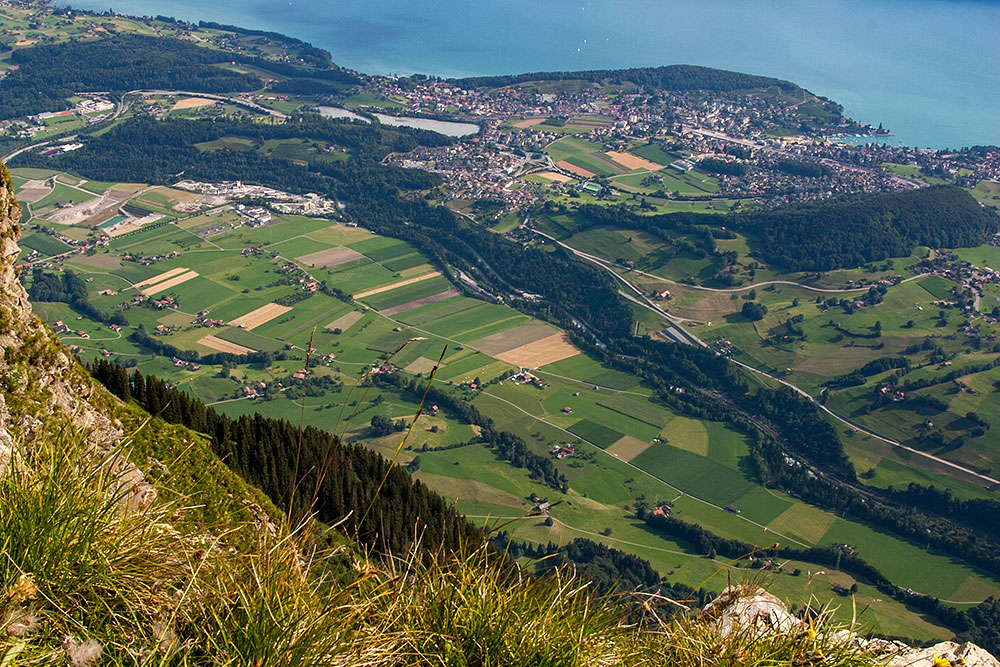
(49, 73)
(308, 470)
(670, 77)
(827, 235)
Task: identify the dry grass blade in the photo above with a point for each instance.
(399, 448)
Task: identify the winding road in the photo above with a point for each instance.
(678, 332)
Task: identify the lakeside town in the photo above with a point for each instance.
(760, 149)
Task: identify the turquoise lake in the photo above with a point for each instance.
(928, 69)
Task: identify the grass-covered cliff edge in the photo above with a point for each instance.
(125, 540)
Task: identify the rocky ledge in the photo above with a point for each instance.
(754, 610)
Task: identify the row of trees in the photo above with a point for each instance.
(46, 74)
(708, 543)
(507, 446)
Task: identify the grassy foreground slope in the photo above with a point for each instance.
(90, 577)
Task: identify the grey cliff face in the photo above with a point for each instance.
(38, 380)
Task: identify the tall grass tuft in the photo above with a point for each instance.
(94, 572)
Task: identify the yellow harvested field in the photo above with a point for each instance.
(262, 315)
(805, 521)
(345, 322)
(687, 434)
(124, 229)
(553, 176)
(33, 194)
(422, 365)
(540, 353)
(163, 276)
(192, 103)
(573, 169)
(529, 122)
(973, 588)
(509, 339)
(219, 345)
(329, 257)
(403, 283)
(628, 448)
(630, 161)
(167, 284)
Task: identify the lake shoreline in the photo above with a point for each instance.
(858, 54)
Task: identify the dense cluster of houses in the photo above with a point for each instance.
(703, 125)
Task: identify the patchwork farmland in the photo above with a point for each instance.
(244, 292)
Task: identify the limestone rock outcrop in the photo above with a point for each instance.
(967, 655)
(754, 610)
(37, 378)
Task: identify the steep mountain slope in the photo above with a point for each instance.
(37, 377)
